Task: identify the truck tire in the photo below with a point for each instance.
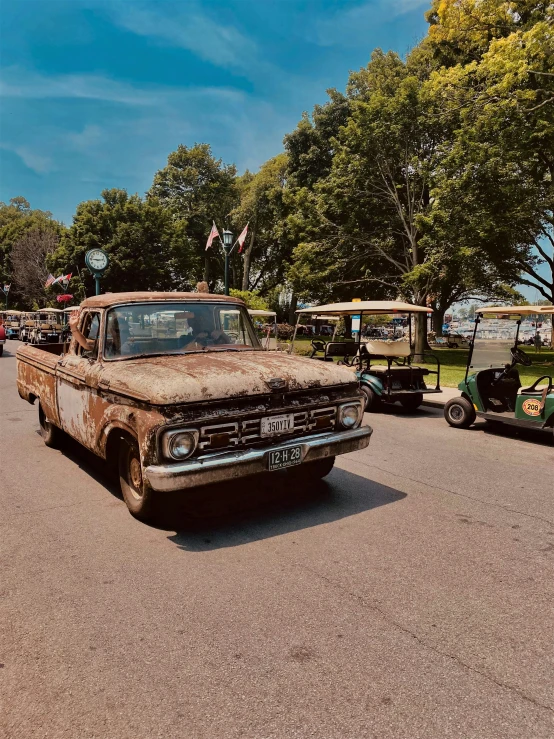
(1, 349)
(372, 400)
(51, 434)
(137, 494)
(313, 471)
(411, 402)
(459, 413)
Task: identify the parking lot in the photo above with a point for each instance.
(408, 595)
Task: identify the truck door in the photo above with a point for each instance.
(77, 377)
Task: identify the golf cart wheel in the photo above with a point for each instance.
(51, 434)
(1, 349)
(411, 402)
(372, 400)
(459, 413)
(137, 494)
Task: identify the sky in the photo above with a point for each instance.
(96, 93)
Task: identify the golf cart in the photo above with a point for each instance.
(10, 320)
(384, 367)
(492, 387)
(47, 326)
(268, 324)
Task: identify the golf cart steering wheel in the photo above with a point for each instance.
(519, 357)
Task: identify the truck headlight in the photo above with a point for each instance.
(350, 415)
(179, 444)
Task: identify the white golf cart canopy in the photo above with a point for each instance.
(508, 311)
(262, 313)
(49, 310)
(367, 307)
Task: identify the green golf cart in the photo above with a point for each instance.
(492, 388)
(385, 367)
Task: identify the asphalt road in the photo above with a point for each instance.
(409, 596)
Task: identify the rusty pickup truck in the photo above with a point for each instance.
(175, 391)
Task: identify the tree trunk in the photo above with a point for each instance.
(292, 309)
(248, 258)
(420, 336)
(438, 320)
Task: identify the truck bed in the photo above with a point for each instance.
(36, 368)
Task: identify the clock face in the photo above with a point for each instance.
(97, 260)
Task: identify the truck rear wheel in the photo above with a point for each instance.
(138, 495)
(51, 434)
(459, 413)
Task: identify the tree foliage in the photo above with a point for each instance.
(148, 248)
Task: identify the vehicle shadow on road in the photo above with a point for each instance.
(94, 466)
(264, 506)
(543, 437)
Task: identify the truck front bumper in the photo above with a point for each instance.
(231, 465)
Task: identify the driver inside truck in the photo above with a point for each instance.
(204, 332)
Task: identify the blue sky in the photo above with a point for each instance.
(96, 94)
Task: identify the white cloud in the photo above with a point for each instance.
(18, 83)
(353, 25)
(36, 162)
(87, 138)
(186, 26)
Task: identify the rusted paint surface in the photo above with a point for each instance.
(90, 399)
(217, 375)
(36, 377)
(109, 299)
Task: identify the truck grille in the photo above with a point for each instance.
(247, 432)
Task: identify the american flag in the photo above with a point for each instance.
(213, 233)
(49, 281)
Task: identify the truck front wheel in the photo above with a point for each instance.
(138, 495)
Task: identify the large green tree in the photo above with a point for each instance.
(263, 204)
(495, 90)
(197, 189)
(148, 248)
(32, 233)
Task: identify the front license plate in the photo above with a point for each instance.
(280, 458)
(272, 425)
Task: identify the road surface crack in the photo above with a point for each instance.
(386, 617)
(461, 495)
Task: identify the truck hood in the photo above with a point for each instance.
(212, 376)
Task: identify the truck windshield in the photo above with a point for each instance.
(176, 328)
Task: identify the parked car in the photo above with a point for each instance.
(175, 391)
(2, 339)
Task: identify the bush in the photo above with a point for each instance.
(285, 331)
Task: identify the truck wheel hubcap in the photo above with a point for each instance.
(135, 477)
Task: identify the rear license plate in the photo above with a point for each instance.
(397, 386)
(280, 458)
(273, 425)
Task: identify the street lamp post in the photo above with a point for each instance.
(228, 247)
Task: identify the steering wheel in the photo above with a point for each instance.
(519, 356)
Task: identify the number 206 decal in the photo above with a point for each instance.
(532, 407)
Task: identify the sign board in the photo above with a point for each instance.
(356, 319)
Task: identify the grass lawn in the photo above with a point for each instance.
(453, 362)
(453, 365)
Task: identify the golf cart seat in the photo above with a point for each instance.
(382, 369)
(535, 388)
(343, 349)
